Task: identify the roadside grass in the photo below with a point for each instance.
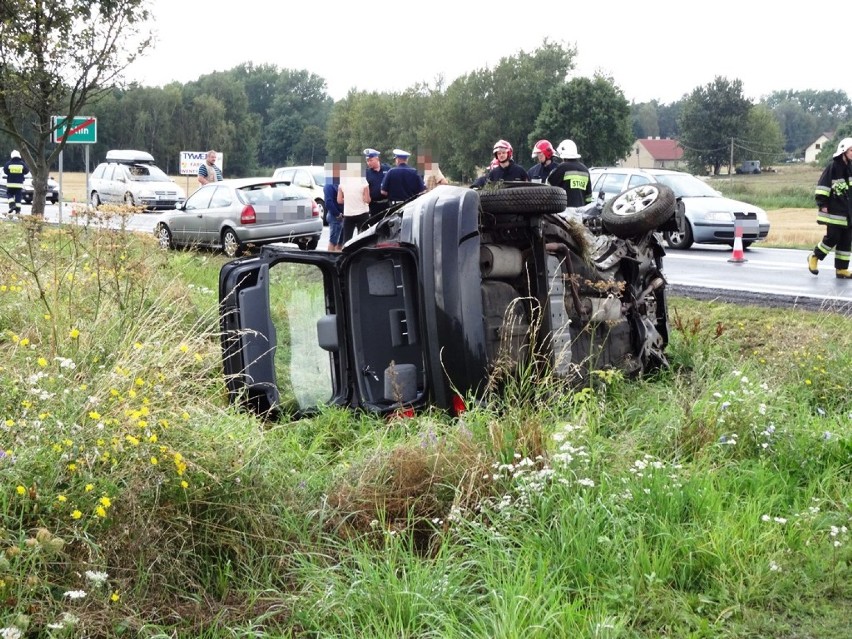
(713, 499)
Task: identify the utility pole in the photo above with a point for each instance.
(731, 165)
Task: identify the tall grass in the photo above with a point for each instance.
(711, 500)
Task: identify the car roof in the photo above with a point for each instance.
(633, 169)
(129, 156)
(241, 183)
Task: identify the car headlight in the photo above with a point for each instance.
(719, 216)
(762, 217)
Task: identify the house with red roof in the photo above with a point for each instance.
(655, 153)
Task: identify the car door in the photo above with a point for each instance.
(301, 330)
(222, 210)
(186, 221)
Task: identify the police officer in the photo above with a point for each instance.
(572, 175)
(545, 154)
(376, 171)
(402, 182)
(15, 170)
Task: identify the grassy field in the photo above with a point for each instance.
(786, 196)
(710, 501)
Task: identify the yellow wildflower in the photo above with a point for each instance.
(76, 514)
(131, 439)
(139, 381)
(184, 348)
(42, 362)
(94, 414)
(106, 502)
(154, 461)
(21, 490)
(61, 498)
(100, 511)
(137, 345)
(114, 597)
(25, 341)
(74, 333)
(184, 484)
(90, 487)
(72, 467)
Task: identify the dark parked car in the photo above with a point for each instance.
(234, 214)
(446, 294)
(27, 191)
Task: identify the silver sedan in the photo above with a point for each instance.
(233, 215)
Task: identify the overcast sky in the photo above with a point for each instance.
(657, 49)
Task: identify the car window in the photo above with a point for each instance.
(685, 185)
(286, 175)
(119, 172)
(221, 197)
(99, 172)
(318, 173)
(200, 199)
(611, 183)
(303, 178)
(637, 180)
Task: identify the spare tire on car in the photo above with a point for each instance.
(523, 197)
(639, 210)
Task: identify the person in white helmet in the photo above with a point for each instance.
(572, 175)
(15, 170)
(834, 203)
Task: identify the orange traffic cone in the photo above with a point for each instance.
(737, 256)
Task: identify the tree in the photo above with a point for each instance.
(763, 139)
(593, 113)
(712, 115)
(57, 56)
(828, 149)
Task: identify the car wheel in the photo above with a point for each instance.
(164, 237)
(54, 200)
(95, 199)
(308, 243)
(530, 199)
(321, 208)
(231, 246)
(681, 239)
(638, 210)
(28, 199)
(128, 199)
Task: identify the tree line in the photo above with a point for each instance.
(262, 116)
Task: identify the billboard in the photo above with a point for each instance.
(191, 160)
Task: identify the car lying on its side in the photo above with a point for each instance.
(443, 295)
(704, 215)
(233, 214)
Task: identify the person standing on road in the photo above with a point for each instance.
(544, 152)
(376, 171)
(572, 175)
(354, 196)
(505, 169)
(15, 170)
(834, 202)
(209, 172)
(333, 210)
(402, 182)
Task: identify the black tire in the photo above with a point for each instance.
(746, 245)
(95, 199)
(27, 199)
(307, 243)
(638, 210)
(524, 199)
(54, 200)
(164, 237)
(681, 239)
(231, 245)
(128, 199)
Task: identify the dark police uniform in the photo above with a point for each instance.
(402, 181)
(378, 202)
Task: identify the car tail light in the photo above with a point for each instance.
(458, 405)
(248, 216)
(314, 209)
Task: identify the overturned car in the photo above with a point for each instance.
(443, 293)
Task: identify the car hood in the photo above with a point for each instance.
(156, 186)
(711, 204)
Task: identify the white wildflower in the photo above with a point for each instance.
(96, 577)
(11, 633)
(75, 594)
(774, 567)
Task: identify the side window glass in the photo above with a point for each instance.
(637, 180)
(200, 199)
(99, 172)
(611, 183)
(221, 197)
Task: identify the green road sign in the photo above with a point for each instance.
(83, 129)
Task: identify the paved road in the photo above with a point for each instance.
(774, 277)
(777, 276)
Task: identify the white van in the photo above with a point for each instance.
(132, 178)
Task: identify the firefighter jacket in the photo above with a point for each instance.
(15, 170)
(834, 194)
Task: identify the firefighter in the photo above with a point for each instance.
(834, 201)
(15, 170)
